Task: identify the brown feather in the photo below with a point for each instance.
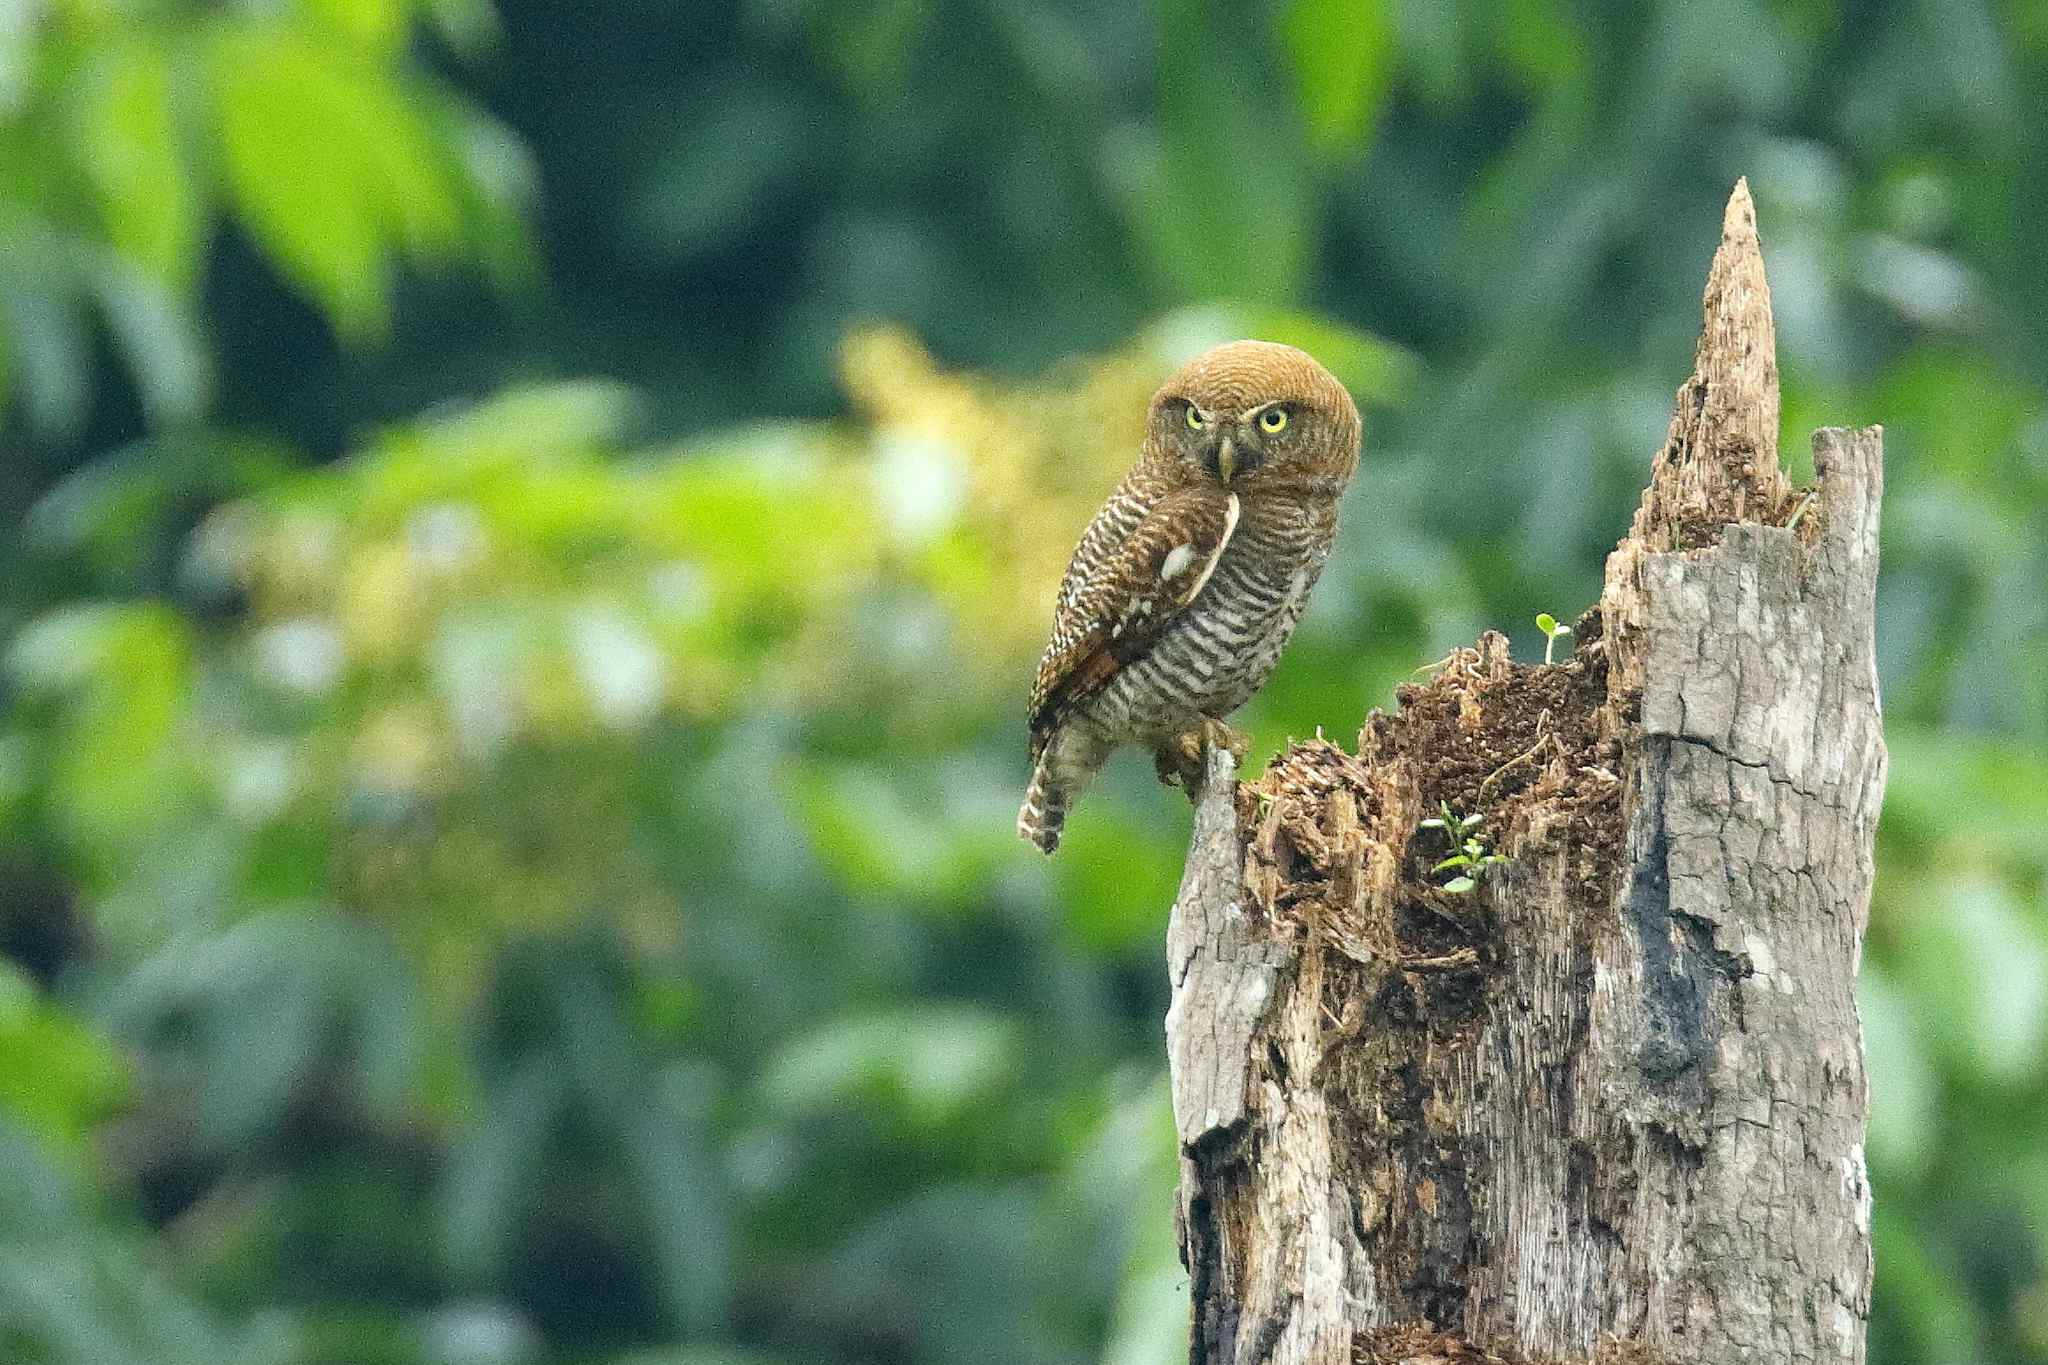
(1124, 602)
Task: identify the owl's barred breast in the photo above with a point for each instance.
(1227, 643)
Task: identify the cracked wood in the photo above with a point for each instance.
(1610, 1106)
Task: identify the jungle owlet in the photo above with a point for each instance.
(1188, 582)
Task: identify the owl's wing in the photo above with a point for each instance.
(1111, 612)
(1111, 526)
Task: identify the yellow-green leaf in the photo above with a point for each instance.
(333, 171)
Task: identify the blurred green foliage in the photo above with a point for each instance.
(514, 646)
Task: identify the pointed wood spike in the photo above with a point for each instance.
(1719, 461)
(1719, 464)
(1738, 350)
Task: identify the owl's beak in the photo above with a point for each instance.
(1226, 459)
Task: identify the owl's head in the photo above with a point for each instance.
(1254, 416)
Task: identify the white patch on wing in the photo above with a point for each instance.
(1177, 561)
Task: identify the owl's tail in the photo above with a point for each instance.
(1044, 813)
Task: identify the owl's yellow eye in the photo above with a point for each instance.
(1194, 419)
(1273, 420)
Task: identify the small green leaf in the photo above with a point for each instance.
(1469, 821)
(1546, 623)
(1458, 886)
(1455, 860)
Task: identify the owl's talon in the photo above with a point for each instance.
(1181, 761)
(1217, 735)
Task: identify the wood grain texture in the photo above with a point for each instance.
(1609, 1106)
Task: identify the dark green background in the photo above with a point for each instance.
(526, 532)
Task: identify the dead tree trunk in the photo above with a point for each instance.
(1609, 1105)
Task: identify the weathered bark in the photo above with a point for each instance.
(1610, 1104)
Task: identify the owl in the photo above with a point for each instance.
(1190, 578)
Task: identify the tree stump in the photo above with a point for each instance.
(1608, 1105)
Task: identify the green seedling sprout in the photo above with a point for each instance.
(1547, 623)
(1469, 857)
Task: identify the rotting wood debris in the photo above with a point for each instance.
(1536, 751)
(1335, 843)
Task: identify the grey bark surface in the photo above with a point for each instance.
(1621, 1118)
